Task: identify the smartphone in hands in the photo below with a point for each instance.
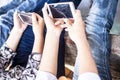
(25, 17)
(61, 10)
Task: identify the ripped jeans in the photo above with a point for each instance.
(98, 24)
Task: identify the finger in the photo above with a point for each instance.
(59, 22)
(44, 10)
(63, 26)
(68, 22)
(39, 18)
(16, 16)
(34, 19)
(78, 15)
(48, 20)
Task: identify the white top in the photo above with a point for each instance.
(89, 76)
(41, 75)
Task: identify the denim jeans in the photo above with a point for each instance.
(9, 6)
(26, 43)
(98, 24)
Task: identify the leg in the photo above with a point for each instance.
(98, 25)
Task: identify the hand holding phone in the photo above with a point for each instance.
(61, 10)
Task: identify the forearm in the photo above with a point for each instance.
(50, 54)
(38, 44)
(14, 38)
(86, 61)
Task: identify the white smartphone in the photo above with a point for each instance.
(25, 17)
(61, 10)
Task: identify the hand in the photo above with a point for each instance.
(18, 25)
(76, 29)
(38, 24)
(16, 33)
(53, 26)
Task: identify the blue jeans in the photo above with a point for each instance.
(26, 43)
(9, 6)
(98, 24)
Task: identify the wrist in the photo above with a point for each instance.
(80, 41)
(14, 35)
(80, 38)
(38, 36)
(53, 34)
(17, 31)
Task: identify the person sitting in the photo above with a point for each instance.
(76, 30)
(8, 50)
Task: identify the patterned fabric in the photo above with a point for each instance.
(18, 72)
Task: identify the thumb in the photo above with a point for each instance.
(15, 16)
(34, 19)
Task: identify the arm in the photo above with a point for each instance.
(50, 52)
(7, 51)
(35, 57)
(77, 33)
(16, 33)
(86, 61)
(38, 29)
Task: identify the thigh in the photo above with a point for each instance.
(24, 48)
(98, 25)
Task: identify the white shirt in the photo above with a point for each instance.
(41, 75)
(89, 76)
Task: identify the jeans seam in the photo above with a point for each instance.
(105, 38)
(0, 37)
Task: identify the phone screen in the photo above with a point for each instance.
(26, 18)
(61, 10)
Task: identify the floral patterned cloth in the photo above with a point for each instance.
(18, 72)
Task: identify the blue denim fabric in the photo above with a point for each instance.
(98, 25)
(12, 4)
(26, 42)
